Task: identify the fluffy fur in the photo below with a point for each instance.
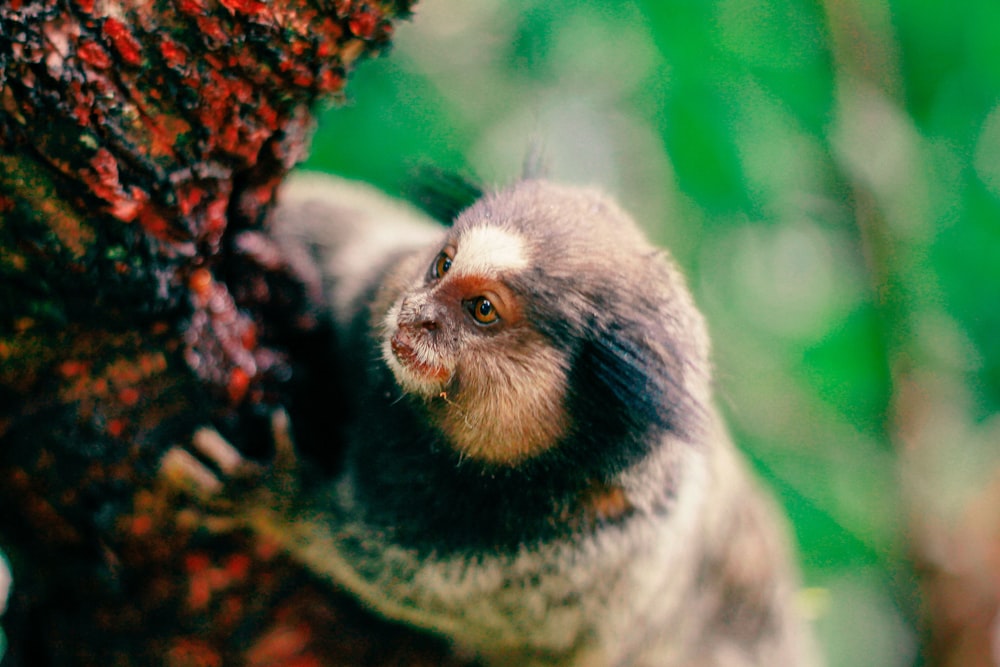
(549, 484)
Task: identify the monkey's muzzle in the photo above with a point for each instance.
(403, 348)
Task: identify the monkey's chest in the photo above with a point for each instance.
(545, 605)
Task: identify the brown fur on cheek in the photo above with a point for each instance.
(508, 399)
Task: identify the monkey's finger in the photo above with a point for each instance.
(217, 449)
(181, 470)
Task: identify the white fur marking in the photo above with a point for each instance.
(489, 251)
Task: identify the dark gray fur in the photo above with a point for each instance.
(515, 563)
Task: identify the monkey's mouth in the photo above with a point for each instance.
(411, 361)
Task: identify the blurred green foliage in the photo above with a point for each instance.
(5, 585)
(829, 176)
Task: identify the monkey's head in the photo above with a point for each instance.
(543, 322)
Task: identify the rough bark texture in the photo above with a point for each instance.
(140, 147)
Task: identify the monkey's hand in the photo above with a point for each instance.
(230, 490)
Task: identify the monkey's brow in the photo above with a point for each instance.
(490, 249)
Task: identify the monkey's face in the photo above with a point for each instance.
(459, 339)
(543, 321)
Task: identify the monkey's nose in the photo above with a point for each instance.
(428, 318)
(423, 320)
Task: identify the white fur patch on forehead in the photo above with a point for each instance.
(489, 250)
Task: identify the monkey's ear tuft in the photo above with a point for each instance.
(622, 389)
(536, 164)
(442, 194)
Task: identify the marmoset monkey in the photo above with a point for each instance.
(535, 468)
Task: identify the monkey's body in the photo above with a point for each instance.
(543, 478)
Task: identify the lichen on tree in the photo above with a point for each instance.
(141, 145)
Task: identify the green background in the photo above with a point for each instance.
(828, 175)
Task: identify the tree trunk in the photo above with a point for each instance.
(141, 144)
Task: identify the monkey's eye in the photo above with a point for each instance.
(441, 265)
(483, 311)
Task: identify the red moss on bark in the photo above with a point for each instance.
(141, 144)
